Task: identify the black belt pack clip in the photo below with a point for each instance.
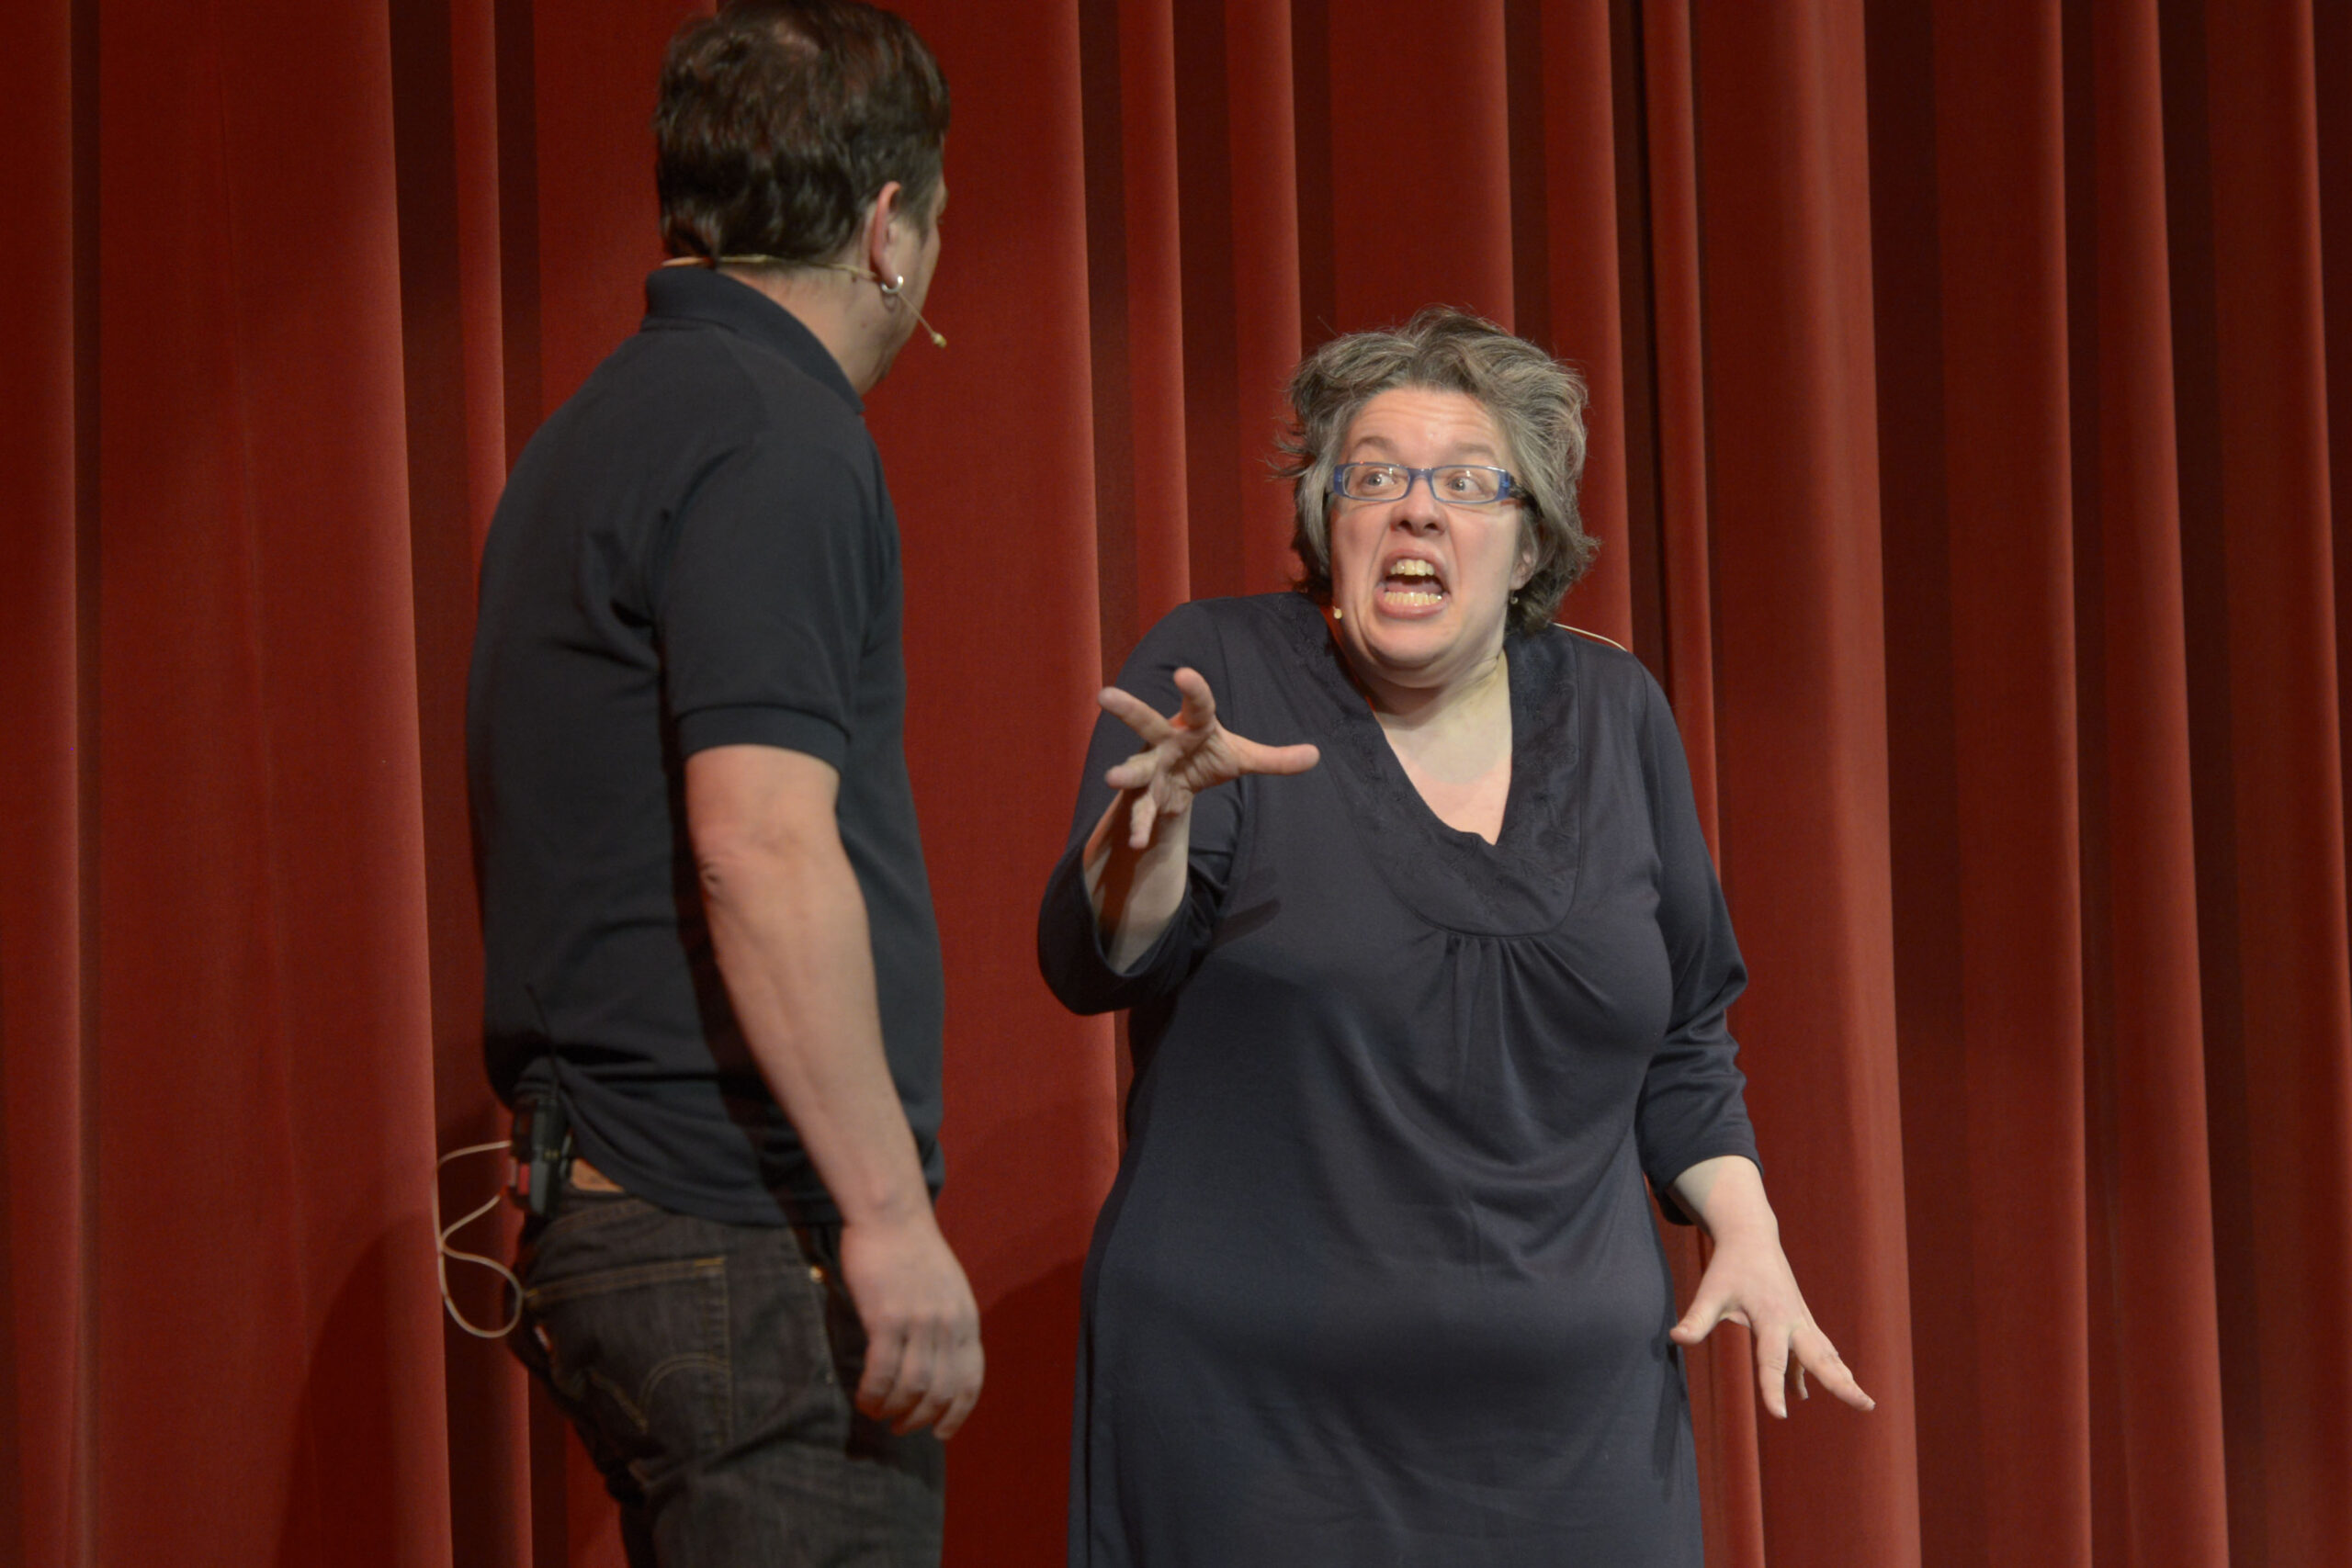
(541, 1149)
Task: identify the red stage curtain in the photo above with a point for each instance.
(1965, 462)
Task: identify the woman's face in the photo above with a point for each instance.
(1423, 587)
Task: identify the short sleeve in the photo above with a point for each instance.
(1691, 1106)
(769, 584)
(1070, 942)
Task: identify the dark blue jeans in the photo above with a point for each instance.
(708, 1368)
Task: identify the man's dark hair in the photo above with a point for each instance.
(780, 121)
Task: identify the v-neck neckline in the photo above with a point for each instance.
(1522, 883)
(1513, 705)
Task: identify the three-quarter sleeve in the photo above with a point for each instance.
(1069, 940)
(1691, 1107)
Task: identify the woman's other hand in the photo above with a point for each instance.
(1748, 1281)
(1185, 753)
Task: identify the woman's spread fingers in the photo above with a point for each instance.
(1198, 709)
(1814, 1352)
(1133, 774)
(1259, 759)
(1698, 1322)
(1772, 1372)
(1135, 714)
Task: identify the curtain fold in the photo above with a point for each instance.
(2279, 921)
(445, 104)
(1135, 292)
(261, 1108)
(1565, 239)
(1800, 722)
(2159, 1493)
(2002, 1174)
(1966, 466)
(44, 770)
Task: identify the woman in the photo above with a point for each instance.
(1426, 978)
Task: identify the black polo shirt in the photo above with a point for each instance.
(697, 549)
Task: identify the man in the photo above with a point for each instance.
(714, 987)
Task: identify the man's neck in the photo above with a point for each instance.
(827, 304)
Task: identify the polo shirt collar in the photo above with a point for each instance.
(698, 294)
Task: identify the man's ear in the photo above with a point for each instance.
(886, 217)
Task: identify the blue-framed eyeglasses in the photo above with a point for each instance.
(1456, 484)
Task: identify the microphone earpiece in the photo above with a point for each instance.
(889, 290)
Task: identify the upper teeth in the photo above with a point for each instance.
(1410, 568)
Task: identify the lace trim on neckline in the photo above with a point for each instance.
(1522, 883)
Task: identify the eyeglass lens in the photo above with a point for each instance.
(1465, 483)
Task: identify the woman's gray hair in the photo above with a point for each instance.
(1537, 404)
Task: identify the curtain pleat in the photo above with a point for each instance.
(1801, 704)
(1267, 329)
(445, 129)
(1965, 465)
(2010, 1192)
(262, 1113)
(1568, 131)
(2156, 1462)
(2277, 914)
(1665, 379)
(44, 1274)
(1421, 160)
(1136, 349)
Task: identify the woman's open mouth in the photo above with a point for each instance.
(1411, 587)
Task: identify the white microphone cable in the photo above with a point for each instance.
(444, 1252)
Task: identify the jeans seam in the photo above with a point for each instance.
(608, 1280)
(584, 1212)
(815, 1298)
(724, 1338)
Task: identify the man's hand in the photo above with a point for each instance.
(923, 1364)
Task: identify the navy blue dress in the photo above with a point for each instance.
(1378, 1280)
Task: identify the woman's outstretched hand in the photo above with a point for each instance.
(1748, 1281)
(1185, 753)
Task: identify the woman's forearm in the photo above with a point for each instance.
(1135, 893)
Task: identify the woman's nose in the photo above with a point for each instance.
(1417, 508)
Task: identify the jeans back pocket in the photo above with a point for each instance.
(637, 1356)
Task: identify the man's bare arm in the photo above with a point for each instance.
(788, 924)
